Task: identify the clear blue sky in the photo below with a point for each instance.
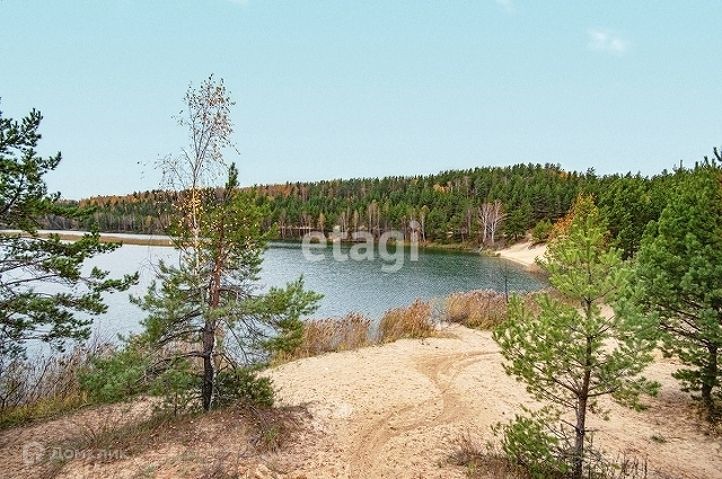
(329, 89)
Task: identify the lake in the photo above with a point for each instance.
(347, 286)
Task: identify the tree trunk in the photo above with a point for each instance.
(709, 376)
(209, 371)
(580, 428)
(209, 330)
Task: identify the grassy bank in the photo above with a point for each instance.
(46, 387)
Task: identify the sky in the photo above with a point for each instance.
(340, 89)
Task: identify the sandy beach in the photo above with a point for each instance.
(395, 411)
(524, 253)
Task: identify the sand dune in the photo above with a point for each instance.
(394, 411)
(391, 411)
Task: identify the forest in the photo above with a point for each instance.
(481, 206)
(631, 262)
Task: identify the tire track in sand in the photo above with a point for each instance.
(441, 370)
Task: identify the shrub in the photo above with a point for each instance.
(413, 321)
(527, 441)
(541, 231)
(512, 459)
(177, 385)
(128, 373)
(242, 385)
(115, 377)
(541, 453)
(476, 309)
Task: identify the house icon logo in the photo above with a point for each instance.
(33, 453)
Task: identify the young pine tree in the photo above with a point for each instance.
(571, 352)
(29, 308)
(207, 324)
(680, 278)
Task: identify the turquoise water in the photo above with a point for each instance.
(347, 286)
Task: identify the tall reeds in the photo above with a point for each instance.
(44, 385)
(328, 335)
(414, 321)
(483, 309)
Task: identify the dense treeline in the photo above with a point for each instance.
(449, 206)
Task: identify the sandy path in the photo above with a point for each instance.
(444, 407)
(394, 411)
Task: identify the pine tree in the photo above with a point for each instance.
(517, 222)
(627, 205)
(680, 273)
(571, 353)
(207, 323)
(28, 262)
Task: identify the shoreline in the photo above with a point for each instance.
(125, 238)
(524, 254)
(140, 239)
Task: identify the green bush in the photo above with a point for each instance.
(126, 374)
(243, 385)
(114, 378)
(178, 385)
(527, 441)
(541, 231)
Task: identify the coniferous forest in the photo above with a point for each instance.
(448, 206)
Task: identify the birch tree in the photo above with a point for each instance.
(490, 216)
(206, 320)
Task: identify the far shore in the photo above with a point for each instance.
(523, 254)
(125, 238)
(164, 240)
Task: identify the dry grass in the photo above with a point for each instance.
(274, 428)
(127, 434)
(219, 444)
(353, 331)
(413, 321)
(482, 461)
(43, 387)
(329, 335)
(124, 433)
(484, 309)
